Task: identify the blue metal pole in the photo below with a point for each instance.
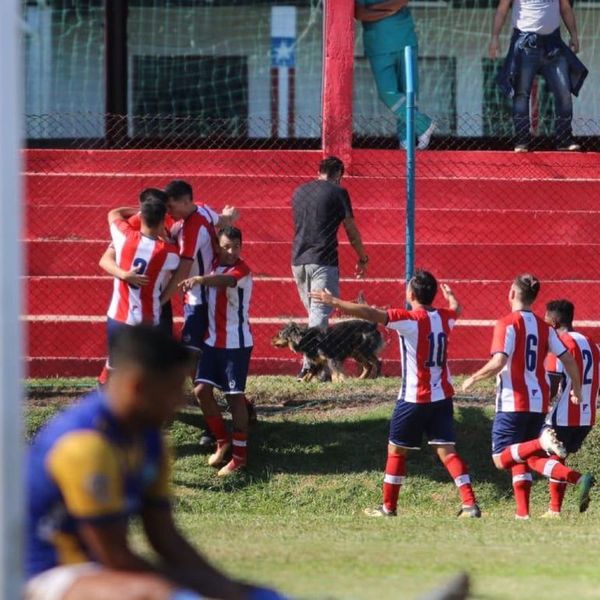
(410, 161)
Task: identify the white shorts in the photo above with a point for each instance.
(54, 583)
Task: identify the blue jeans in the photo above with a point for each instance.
(554, 68)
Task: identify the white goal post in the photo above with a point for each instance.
(11, 334)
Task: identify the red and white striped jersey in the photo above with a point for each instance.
(587, 357)
(154, 258)
(522, 385)
(423, 351)
(228, 324)
(197, 240)
(136, 222)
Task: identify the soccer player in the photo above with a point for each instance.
(572, 422)
(108, 262)
(195, 233)
(102, 462)
(147, 252)
(425, 405)
(520, 344)
(226, 351)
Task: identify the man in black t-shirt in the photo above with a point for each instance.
(319, 208)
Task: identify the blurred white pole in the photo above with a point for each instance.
(11, 398)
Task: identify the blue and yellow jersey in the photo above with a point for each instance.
(84, 467)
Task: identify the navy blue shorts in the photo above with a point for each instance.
(195, 324)
(112, 327)
(225, 368)
(514, 428)
(166, 318)
(410, 421)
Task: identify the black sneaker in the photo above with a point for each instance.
(304, 371)
(324, 376)
(569, 147)
(207, 440)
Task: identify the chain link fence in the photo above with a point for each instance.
(481, 218)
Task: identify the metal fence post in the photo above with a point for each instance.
(410, 161)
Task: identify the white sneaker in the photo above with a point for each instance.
(425, 138)
(521, 517)
(551, 444)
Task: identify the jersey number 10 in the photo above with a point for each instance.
(437, 350)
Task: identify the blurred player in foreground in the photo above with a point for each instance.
(100, 463)
(425, 405)
(572, 422)
(226, 351)
(520, 345)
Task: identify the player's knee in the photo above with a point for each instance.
(148, 587)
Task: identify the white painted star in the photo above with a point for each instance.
(283, 52)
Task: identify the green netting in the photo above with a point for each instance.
(212, 60)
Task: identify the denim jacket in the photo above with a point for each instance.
(553, 44)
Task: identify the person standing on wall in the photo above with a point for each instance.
(537, 47)
(319, 208)
(387, 28)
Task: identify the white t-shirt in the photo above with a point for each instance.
(536, 16)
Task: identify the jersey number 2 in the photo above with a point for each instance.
(437, 350)
(140, 265)
(589, 362)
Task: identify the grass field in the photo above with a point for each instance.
(316, 458)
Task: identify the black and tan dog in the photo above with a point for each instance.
(354, 338)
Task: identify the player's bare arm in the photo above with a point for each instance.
(499, 20)
(182, 272)
(568, 17)
(123, 212)
(108, 263)
(108, 543)
(356, 242)
(229, 215)
(217, 280)
(490, 369)
(361, 311)
(453, 303)
(183, 564)
(570, 366)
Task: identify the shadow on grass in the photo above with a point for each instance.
(353, 446)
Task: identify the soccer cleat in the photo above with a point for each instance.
(469, 512)
(551, 444)
(380, 511)
(207, 440)
(520, 148)
(425, 138)
(551, 514)
(218, 457)
(585, 484)
(521, 517)
(230, 468)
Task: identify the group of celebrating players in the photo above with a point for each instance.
(534, 360)
(105, 460)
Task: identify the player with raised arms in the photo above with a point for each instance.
(425, 405)
(520, 344)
